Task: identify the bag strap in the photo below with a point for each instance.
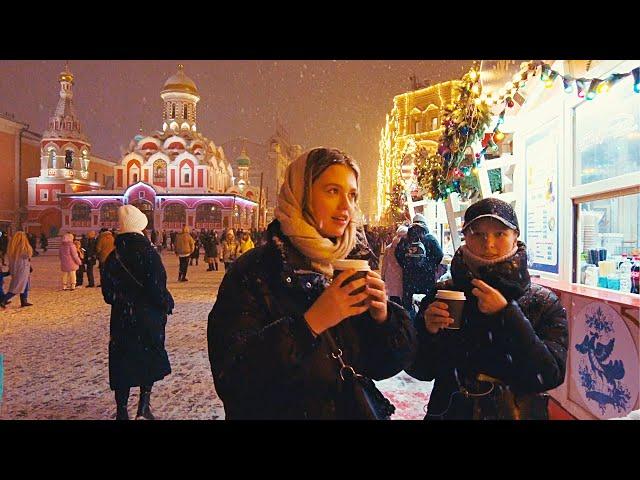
(127, 270)
(336, 353)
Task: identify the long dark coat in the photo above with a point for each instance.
(138, 314)
(210, 247)
(418, 279)
(265, 361)
(524, 345)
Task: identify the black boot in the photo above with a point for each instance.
(122, 398)
(144, 405)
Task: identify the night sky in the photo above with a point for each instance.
(320, 102)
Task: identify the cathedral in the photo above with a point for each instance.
(176, 176)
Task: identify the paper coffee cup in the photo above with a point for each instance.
(361, 267)
(455, 300)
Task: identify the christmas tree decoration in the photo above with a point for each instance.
(396, 211)
(465, 121)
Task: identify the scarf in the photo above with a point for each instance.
(508, 274)
(300, 227)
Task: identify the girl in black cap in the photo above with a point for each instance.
(512, 345)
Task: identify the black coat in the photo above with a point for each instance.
(265, 361)
(210, 247)
(90, 255)
(524, 345)
(138, 314)
(421, 279)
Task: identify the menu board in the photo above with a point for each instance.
(541, 198)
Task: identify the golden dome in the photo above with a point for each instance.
(179, 82)
(66, 75)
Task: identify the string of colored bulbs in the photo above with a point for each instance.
(587, 88)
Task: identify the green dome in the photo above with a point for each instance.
(243, 159)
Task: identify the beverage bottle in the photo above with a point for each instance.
(625, 274)
(635, 275)
(623, 258)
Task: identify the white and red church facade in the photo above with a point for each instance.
(176, 177)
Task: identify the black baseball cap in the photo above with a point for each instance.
(494, 208)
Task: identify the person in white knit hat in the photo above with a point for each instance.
(134, 283)
(131, 220)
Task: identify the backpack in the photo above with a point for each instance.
(416, 254)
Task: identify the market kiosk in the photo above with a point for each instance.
(577, 184)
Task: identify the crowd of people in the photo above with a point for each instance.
(291, 337)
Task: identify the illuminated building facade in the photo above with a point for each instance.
(415, 120)
(176, 176)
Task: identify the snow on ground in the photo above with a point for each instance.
(56, 356)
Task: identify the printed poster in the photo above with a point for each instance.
(541, 199)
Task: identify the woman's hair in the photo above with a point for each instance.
(19, 245)
(185, 229)
(318, 160)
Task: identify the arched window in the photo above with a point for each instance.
(208, 216)
(160, 172)
(81, 215)
(184, 112)
(134, 174)
(109, 215)
(52, 158)
(175, 215)
(185, 174)
(173, 111)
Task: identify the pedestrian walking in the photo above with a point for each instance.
(44, 243)
(69, 262)
(184, 246)
(104, 246)
(81, 267)
(229, 250)
(419, 255)
(19, 253)
(391, 271)
(90, 257)
(212, 251)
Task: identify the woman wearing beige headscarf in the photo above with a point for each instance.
(268, 357)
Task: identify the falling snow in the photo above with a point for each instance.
(319, 102)
(56, 354)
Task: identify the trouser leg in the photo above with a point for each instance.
(122, 397)
(90, 279)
